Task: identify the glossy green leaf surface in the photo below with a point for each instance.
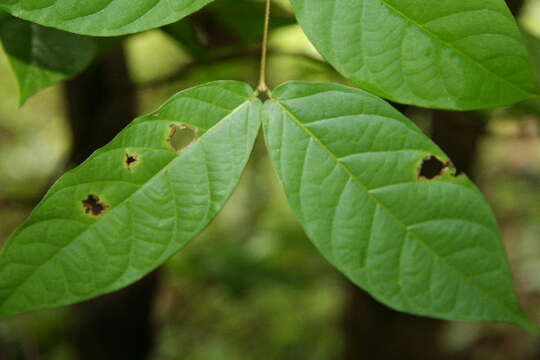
(102, 17)
(530, 106)
(350, 166)
(533, 44)
(41, 56)
(452, 54)
(134, 202)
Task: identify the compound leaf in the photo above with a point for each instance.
(102, 17)
(41, 56)
(455, 54)
(383, 204)
(134, 202)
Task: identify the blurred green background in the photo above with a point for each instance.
(252, 286)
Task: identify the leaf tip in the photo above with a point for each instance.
(528, 326)
(23, 99)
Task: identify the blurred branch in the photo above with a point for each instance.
(7, 132)
(26, 203)
(248, 53)
(29, 346)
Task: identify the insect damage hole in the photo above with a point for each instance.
(432, 168)
(181, 137)
(93, 206)
(131, 160)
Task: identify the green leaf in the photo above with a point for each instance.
(350, 166)
(3, 17)
(133, 203)
(42, 56)
(455, 54)
(102, 17)
(533, 44)
(532, 106)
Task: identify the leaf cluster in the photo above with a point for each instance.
(378, 198)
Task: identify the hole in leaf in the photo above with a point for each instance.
(131, 160)
(432, 168)
(181, 137)
(93, 206)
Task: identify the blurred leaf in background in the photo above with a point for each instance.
(42, 56)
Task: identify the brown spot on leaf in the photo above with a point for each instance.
(131, 160)
(432, 168)
(181, 137)
(93, 206)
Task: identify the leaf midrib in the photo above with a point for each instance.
(142, 187)
(376, 200)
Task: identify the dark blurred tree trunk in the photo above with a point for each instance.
(373, 331)
(100, 102)
(458, 134)
(117, 326)
(515, 6)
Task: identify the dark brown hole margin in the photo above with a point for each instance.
(181, 137)
(131, 160)
(93, 205)
(432, 168)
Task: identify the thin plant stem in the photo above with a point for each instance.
(263, 87)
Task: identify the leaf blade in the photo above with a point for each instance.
(110, 221)
(456, 55)
(102, 17)
(428, 247)
(41, 56)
